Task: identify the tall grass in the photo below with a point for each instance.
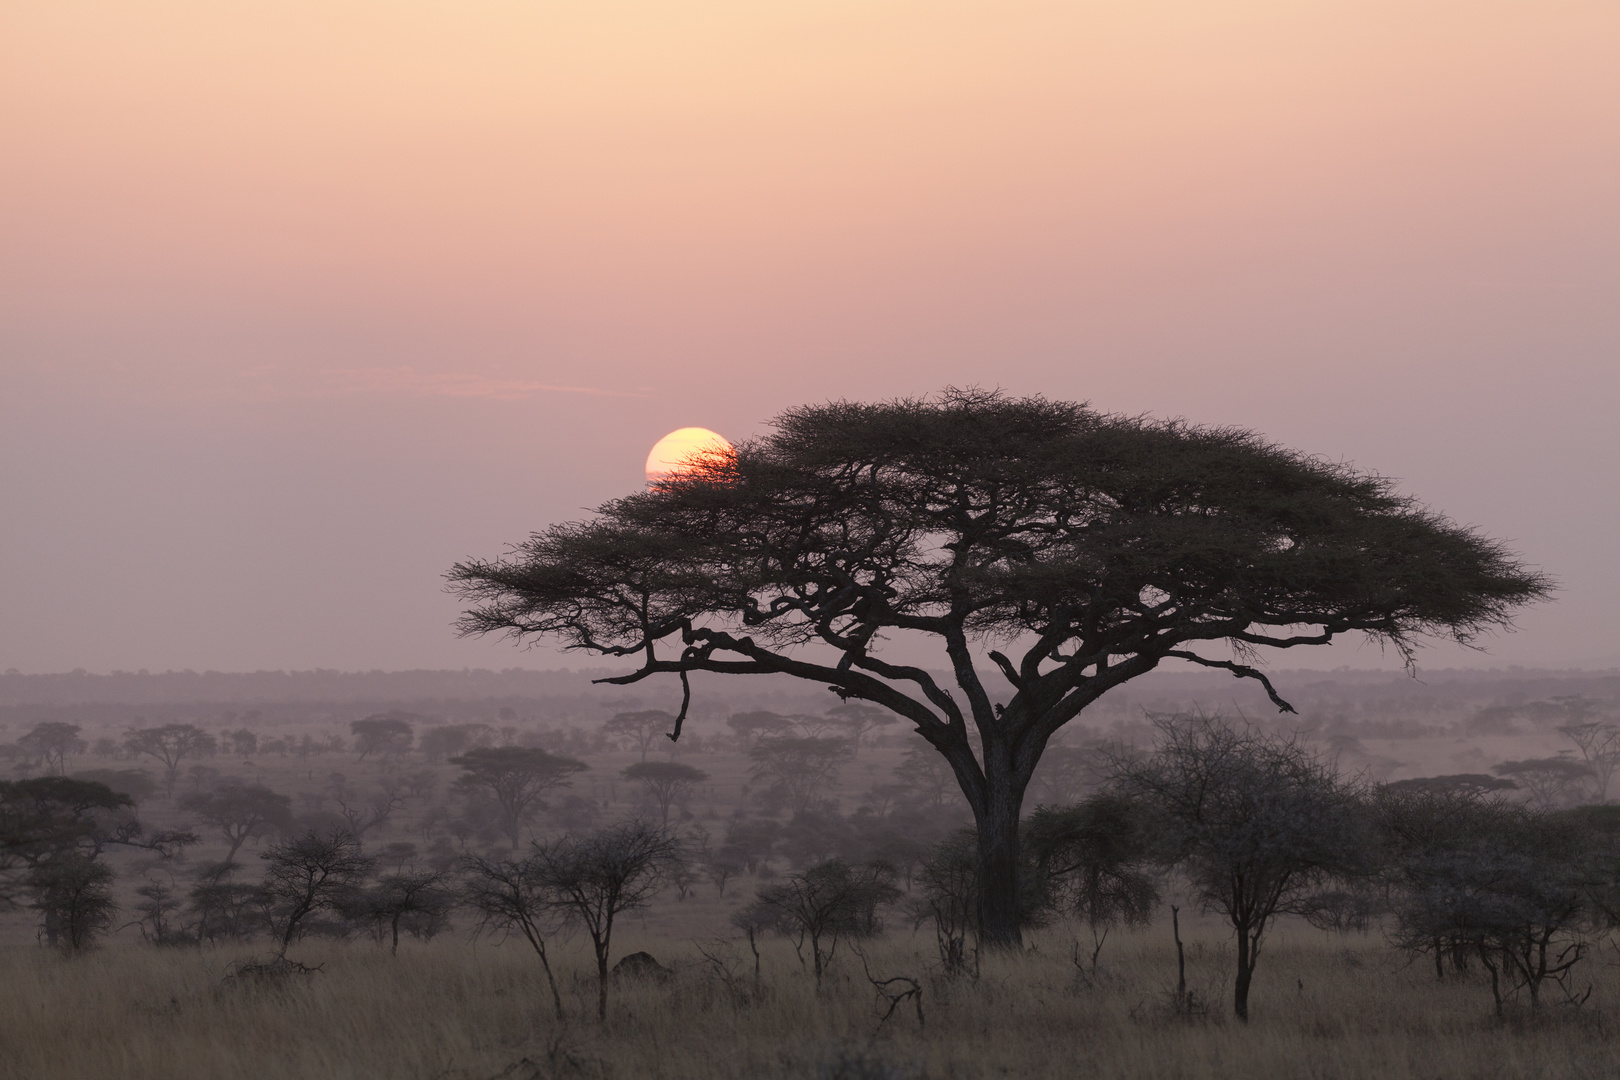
(1323, 1007)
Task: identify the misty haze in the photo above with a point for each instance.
(854, 542)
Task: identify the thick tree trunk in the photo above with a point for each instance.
(999, 859)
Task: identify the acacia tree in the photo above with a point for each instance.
(1256, 823)
(641, 728)
(665, 781)
(517, 777)
(52, 743)
(797, 770)
(1091, 547)
(594, 879)
(385, 734)
(240, 812)
(170, 744)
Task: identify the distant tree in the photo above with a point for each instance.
(222, 909)
(509, 895)
(1102, 545)
(171, 744)
(52, 743)
(924, 779)
(74, 897)
(240, 812)
(136, 783)
(641, 728)
(155, 913)
(826, 904)
(1256, 823)
(721, 865)
(797, 770)
(310, 873)
(421, 900)
(451, 739)
(754, 841)
(1507, 883)
(665, 782)
(1065, 774)
(1094, 858)
(385, 734)
(1552, 782)
(1468, 784)
(1599, 744)
(750, 727)
(362, 811)
(517, 778)
(53, 832)
(596, 878)
(861, 720)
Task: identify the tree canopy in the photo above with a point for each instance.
(1049, 551)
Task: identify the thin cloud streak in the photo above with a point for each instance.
(409, 382)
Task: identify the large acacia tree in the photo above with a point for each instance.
(1048, 551)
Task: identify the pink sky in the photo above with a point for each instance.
(302, 303)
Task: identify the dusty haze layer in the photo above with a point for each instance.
(300, 305)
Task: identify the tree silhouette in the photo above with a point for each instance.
(240, 812)
(517, 777)
(385, 734)
(1255, 822)
(665, 781)
(170, 744)
(52, 743)
(642, 728)
(1101, 546)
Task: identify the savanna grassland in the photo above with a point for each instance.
(463, 999)
(1324, 1006)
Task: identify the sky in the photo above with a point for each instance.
(300, 303)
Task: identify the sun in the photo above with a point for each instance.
(674, 450)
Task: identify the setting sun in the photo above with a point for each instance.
(679, 447)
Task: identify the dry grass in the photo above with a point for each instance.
(1324, 1007)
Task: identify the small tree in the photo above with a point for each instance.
(421, 900)
(73, 895)
(1507, 883)
(53, 832)
(826, 904)
(797, 770)
(451, 739)
(221, 909)
(665, 782)
(1552, 782)
(385, 734)
(860, 720)
(508, 895)
(517, 778)
(52, 743)
(1599, 744)
(171, 744)
(240, 812)
(751, 727)
(946, 894)
(310, 873)
(1255, 822)
(596, 878)
(641, 728)
(1093, 858)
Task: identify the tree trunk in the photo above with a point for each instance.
(998, 857)
(1245, 974)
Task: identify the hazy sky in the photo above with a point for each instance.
(302, 302)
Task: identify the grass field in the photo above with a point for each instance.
(1324, 1007)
